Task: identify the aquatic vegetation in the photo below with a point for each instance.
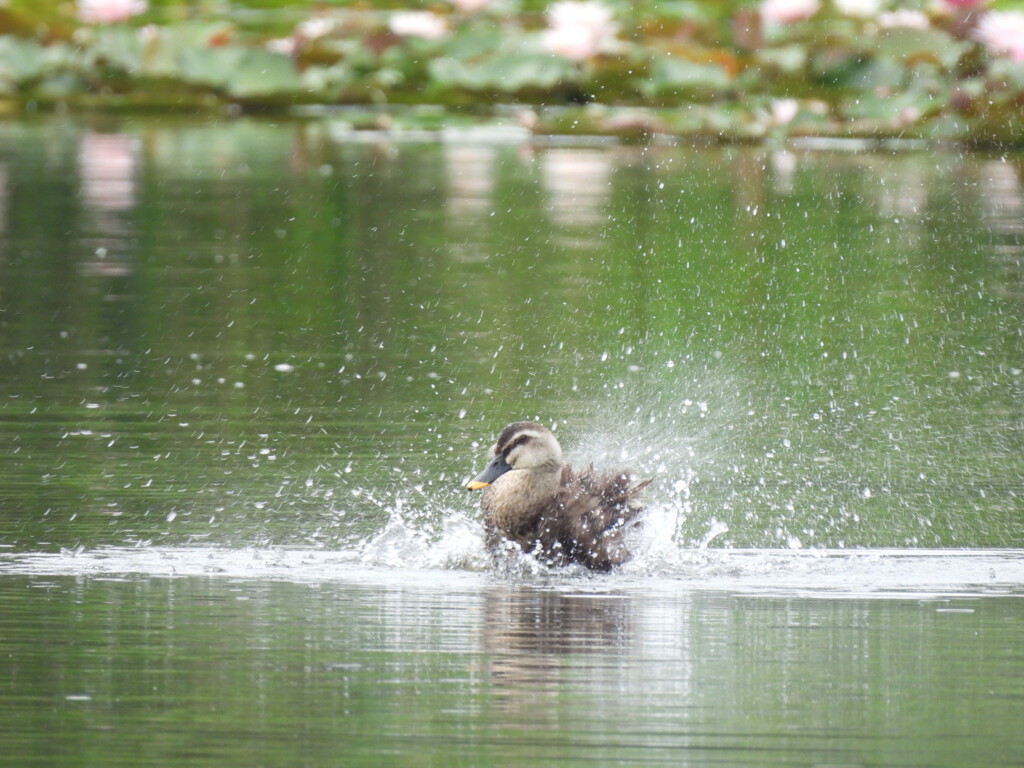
(944, 70)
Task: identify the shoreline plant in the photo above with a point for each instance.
(948, 70)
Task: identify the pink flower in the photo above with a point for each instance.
(286, 46)
(965, 4)
(784, 110)
(1002, 32)
(777, 12)
(109, 11)
(579, 30)
(315, 27)
(423, 24)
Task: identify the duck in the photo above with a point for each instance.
(535, 501)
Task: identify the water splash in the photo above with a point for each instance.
(832, 573)
(456, 543)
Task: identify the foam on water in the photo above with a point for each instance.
(435, 541)
(404, 554)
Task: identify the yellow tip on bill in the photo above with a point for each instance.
(476, 485)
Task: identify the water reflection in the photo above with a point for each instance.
(108, 166)
(3, 226)
(464, 670)
(470, 173)
(902, 192)
(578, 184)
(1003, 207)
(785, 338)
(538, 641)
(3, 197)
(322, 334)
(783, 166)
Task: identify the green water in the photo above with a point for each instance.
(243, 325)
(446, 671)
(245, 367)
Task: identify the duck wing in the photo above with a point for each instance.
(589, 516)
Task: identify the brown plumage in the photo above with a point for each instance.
(534, 500)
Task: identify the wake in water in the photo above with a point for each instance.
(826, 573)
(437, 541)
(458, 545)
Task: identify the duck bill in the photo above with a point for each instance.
(492, 472)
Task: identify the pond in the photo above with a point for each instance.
(248, 365)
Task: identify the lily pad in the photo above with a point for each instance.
(20, 60)
(263, 73)
(242, 72)
(672, 75)
(506, 72)
(908, 45)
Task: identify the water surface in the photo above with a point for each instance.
(213, 657)
(246, 366)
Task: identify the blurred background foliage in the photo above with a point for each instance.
(929, 69)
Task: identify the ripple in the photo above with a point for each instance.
(806, 573)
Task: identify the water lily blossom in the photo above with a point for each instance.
(109, 11)
(423, 24)
(1002, 32)
(579, 30)
(967, 5)
(784, 110)
(286, 46)
(315, 27)
(781, 12)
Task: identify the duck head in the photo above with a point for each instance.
(521, 446)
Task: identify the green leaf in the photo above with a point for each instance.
(671, 74)
(1007, 73)
(684, 10)
(119, 47)
(912, 104)
(788, 58)
(243, 72)
(173, 47)
(20, 60)
(59, 86)
(907, 45)
(478, 40)
(211, 67)
(506, 71)
(513, 72)
(263, 73)
(326, 82)
(455, 73)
